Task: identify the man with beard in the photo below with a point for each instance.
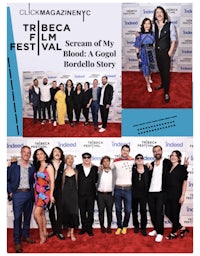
(156, 192)
(45, 98)
(105, 102)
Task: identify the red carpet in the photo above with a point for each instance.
(135, 94)
(48, 130)
(105, 243)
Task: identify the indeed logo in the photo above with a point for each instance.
(187, 32)
(148, 11)
(131, 23)
(15, 145)
(120, 144)
(188, 10)
(67, 145)
(189, 209)
(173, 144)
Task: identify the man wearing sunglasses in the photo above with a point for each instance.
(140, 186)
(87, 179)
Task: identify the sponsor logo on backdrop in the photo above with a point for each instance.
(93, 144)
(186, 22)
(13, 145)
(147, 143)
(66, 145)
(120, 144)
(40, 144)
(174, 144)
(131, 12)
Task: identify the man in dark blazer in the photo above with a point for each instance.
(156, 193)
(34, 100)
(96, 92)
(20, 181)
(87, 179)
(105, 102)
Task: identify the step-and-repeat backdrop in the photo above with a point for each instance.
(180, 15)
(112, 147)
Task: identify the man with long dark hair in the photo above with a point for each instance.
(165, 41)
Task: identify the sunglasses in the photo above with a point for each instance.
(139, 157)
(86, 157)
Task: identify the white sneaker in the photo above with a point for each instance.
(49, 120)
(43, 122)
(149, 89)
(100, 126)
(159, 238)
(54, 123)
(102, 130)
(152, 233)
(150, 81)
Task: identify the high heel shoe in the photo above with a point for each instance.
(171, 236)
(73, 238)
(183, 231)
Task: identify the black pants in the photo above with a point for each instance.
(86, 206)
(172, 211)
(86, 113)
(53, 106)
(163, 61)
(156, 209)
(104, 115)
(77, 110)
(70, 111)
(105, 201)
(56, 218)
(141, 201)
(44, 106)
(36, 110)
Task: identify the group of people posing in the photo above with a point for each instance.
(64, 101)
(69, 191)
(155, 44)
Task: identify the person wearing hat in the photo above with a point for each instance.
(87, 179)
(140, 185)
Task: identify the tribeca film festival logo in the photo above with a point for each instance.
(93, 144)
(41, 37)
(147, 143)
(53, 12)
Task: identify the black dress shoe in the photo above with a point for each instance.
(143, 231)
(103, 230)
(109, 230)
(18, 248)
(60, 236)
(167, 98)
(82, 231)
(158, 87)
(90, 233)
(136, 230)
(51, 234)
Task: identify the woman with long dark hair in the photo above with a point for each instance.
(176, 184)
(44, 187)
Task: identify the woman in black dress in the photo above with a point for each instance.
(78, 101)
(176, 184)
(87, 100)
(70, 198)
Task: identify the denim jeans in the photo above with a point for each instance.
(125, 196)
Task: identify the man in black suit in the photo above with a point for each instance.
(20, 181)
(34, 99)
(87, 179)
(105, 102)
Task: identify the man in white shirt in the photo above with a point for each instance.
(45, 98)
(122, 167)
(156, 192)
